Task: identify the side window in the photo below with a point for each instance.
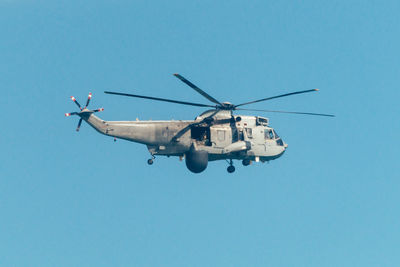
(249, 132)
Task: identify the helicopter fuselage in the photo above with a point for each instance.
(224, 137)
(215, 134)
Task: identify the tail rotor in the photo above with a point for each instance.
(76, 102)
(88, 99)
(83, 110)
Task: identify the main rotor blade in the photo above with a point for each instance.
(161, 99)
(197, 89)
(278, 96)
(289, 112)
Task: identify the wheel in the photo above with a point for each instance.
(246, 162)
(150, 161)
(231, 169)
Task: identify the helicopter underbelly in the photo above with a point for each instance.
(259, 152)
(262, 152)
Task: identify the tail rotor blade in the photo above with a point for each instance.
(76, 102)
(70, 114)
(99, 109)
(79, 125)
(88, 100)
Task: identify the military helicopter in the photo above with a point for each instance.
(216, 134)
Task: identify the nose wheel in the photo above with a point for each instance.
(231, 168)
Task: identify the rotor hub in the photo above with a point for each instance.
(227, 105)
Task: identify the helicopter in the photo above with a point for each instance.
(216, 134)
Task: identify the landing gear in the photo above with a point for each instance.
(151, 161)
(246, 162)
(231, 168)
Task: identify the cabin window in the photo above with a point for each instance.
(249, 132)
(241, 136)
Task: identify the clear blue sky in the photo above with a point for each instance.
(79, 199)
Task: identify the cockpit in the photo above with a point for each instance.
(270, 134)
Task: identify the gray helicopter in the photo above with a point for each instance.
(216, 134)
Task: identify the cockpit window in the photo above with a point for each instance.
(268, 134)
(276, 135)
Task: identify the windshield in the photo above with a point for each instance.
(270, 134)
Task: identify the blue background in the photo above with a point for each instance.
(79, 199)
